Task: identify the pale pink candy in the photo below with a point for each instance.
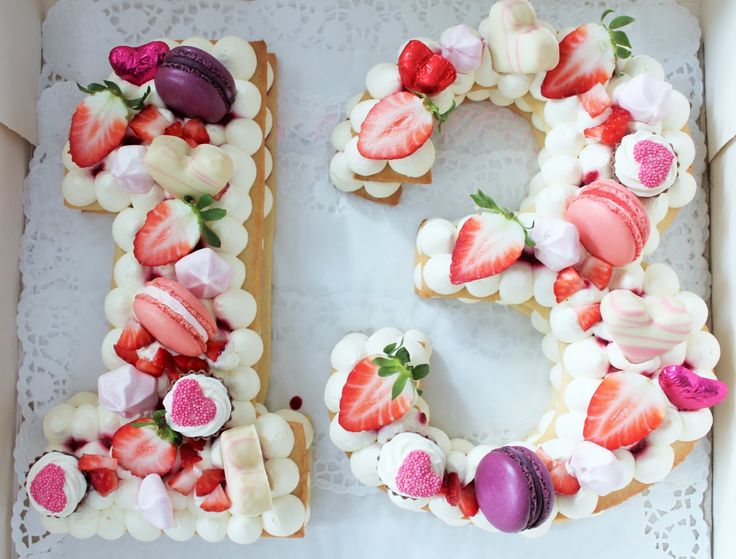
(129, 170)
(556, 243)
(127, 391)
(204, 273)
(138, 65)
(645, 97)
(655, 162)
(190, 407)
(644, 327)
(596, 468)
(462, 47)
(416, 477)
(47, 488)
(154, 503)
(688, 391)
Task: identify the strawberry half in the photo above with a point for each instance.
(563, 481)
(379, 390)
(451, 488)
(611, 130)
(184, 480)
(596, 271)
(146, 446)
(624, 409)
(596, 100)
(396, 127)
(104, 481)
(195, 132)
(488, 243)
(588, 315)
(149, 123)
(157, 365)
(568, 283)
(217, 501)
(132, 338)
(189, 454)
(173, 229)
(468, 503)
(89, 462)
(424, 71)
(209, 480)
(99, 122)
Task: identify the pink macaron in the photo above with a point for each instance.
(612, 222)
(174, 316)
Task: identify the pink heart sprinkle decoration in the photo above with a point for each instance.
(655, 161)
(190, 407)
(688, 391)
(47, 488)
(416, 477)
(138, 65)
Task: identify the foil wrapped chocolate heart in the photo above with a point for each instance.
(138, 65)
(688, 391)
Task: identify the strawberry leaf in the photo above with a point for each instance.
(398, 386)
(204, 201)
(390, 348)
(482, 200)
(403, 355)
(385, 362)
(606, 13)
(211, 237)
(620, 39)
(622, 52)
(213, 214)
(620, 21)
(420, 371)
(388, 371)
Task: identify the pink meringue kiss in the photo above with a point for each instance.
(655, 162)
(204, 272)
(138, 65)
(416, 477)
(462, 47)
(129, 170)
(645, 97)
(127, 391)
(688, 391)
(154, 503)
(556, 243)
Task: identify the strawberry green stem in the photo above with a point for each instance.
(485, 202)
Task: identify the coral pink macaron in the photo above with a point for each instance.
(174, 316)
(612, 222)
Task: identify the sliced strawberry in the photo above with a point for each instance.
(145, 446)
(624, 409)
(209, 480)
(89, 462)
(396, 127)
(366, 401)
(424, 71)
(586, 59)
(195, 132)
(487, 244)
(612, 129)
(99, 123)
(189, 454)
(451, 487)
(562, 480)
(149, 123)
(568, 283)
(184, 480)
(175, 129)
(104, 481)
(217, 501)
(595, 100)
(596, 271)
(216, 345)
(170, 232)
(186, 365)
(157, 365)
(588, 315)
(132, 338)
(468, 503)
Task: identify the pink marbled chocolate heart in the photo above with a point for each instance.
(416, 477)
(47, 488)
(190, 407)
(688, 391)
(138, 64)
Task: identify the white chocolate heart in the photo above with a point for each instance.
(518, 43)
(645, 327)
(182, 171)
(247, 480)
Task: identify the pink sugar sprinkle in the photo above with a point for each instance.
(47, 488)
(655, 161)
(190, 406)
(416, 478)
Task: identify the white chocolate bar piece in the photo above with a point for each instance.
(245, 473)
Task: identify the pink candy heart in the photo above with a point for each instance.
(47, 488)
(190, 407)
(138, 65)
(688, 391)
(655, 161)
(416, 477)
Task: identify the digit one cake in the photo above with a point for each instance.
(177, 143)
(631, 360)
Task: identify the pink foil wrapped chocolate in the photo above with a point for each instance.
(688, 391)
(204, 273)
(138, 65)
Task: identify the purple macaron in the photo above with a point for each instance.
(514, 489)
(195, 84)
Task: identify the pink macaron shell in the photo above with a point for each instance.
(612, 223)
(170, 328)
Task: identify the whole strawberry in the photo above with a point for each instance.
(100, 121)
(424, 71)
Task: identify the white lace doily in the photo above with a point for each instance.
(342, 264)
